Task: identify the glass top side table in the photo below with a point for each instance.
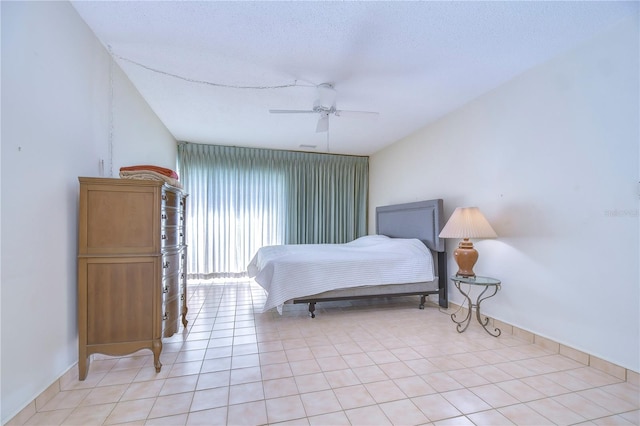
(489, 284)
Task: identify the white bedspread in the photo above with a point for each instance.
(292, 271)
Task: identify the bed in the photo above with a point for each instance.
(405, 258)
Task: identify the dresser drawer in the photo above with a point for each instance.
(171, 236)
(171, 217)
(170, 315)
(171, 286)
(171, 199)
(170, 264)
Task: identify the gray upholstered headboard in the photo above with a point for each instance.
(422, 220)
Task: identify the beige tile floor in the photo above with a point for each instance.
(357, 363)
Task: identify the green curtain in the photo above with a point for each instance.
(241, 199)
(327, 198)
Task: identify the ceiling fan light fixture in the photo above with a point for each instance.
(326, 96)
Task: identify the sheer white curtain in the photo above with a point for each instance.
(236, 205)
(241, 199)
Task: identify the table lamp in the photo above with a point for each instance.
(465, 223)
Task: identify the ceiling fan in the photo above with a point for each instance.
(325, 105)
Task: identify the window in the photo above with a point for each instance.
(241, 199)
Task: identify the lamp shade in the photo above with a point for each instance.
(467, 222)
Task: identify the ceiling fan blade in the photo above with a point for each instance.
(325, 105)
(346, 112)
(291, 111)
(323, 124)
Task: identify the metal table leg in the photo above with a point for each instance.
(464, 323)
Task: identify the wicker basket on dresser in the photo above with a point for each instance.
(131, 267)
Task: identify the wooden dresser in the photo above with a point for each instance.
(131, 267)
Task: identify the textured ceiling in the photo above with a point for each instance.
(211, 71)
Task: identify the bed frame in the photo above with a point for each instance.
(422, 220)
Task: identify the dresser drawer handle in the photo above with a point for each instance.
(165, 265)
(165, 289)
(182, 297)
(165, 316)
(182, 234)
(164, 216)
(164, 237)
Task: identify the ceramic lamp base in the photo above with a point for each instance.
(466, 257)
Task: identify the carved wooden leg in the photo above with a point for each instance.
(312, 309)
(157, 348)
(184, 315)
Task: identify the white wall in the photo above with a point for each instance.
(552, 160)
(139, 137)
(65, 107)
